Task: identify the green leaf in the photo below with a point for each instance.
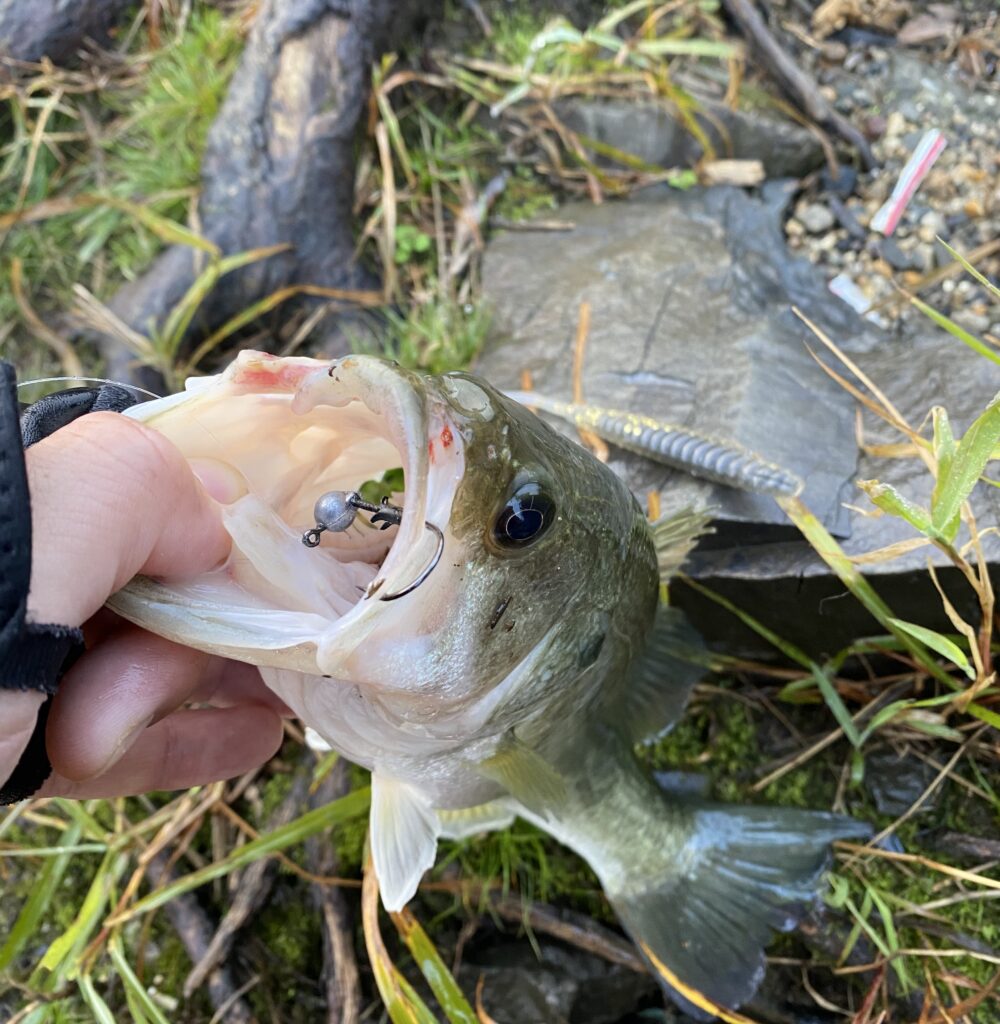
(840, 891)
(133, 985)
(176, 325)
(971, 457)
(848, 573)
(981, 278)
(887, 498)
(62, 957)
(984, 715)
(836, 705)
(892, 937)
(687, 48)
(440, 979)
(957, 332)
(98, 1007)
(937, 642)
(944, 452)
(166, 230)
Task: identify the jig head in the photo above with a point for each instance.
(336, 511)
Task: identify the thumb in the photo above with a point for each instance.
(111, 498)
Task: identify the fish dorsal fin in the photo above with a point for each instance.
(663, 675)
(404, 834)
(526, 775)
(675, 535)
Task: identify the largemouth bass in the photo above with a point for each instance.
(496, 651)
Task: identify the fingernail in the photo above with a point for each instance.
(124, 744)
(224, 483)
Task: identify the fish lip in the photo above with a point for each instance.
(416, 418)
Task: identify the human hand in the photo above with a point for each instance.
(111, 498)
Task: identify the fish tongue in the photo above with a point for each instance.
(313, 580)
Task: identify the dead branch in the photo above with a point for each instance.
(793, 79)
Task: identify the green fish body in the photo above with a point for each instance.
(514, 680)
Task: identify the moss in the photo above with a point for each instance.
(525, 196)
(273, 791)
(287, 951)
(717, 739)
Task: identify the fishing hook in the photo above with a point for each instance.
(337, 510)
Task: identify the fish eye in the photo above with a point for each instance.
(527, 514)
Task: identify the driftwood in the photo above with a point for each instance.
(33, 29)
(279, 162)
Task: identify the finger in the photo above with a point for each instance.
(126, 683)
(111, 498)
(188, 748)
(18, 712)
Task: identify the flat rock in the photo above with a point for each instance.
(691, 297)
(652, 131)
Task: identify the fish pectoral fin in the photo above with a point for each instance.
(675, 535)
(469, 821)
(404, 831)
(661, 678)
(703, 918)
(526, 775)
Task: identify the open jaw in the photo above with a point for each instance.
(273, 435)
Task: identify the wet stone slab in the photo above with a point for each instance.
(691, 299)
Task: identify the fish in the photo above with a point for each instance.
(515, 679)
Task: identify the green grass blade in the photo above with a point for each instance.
(888, 499)
(973, 453)
(788, 649)
(98, 1007)
(351, 806)
(62, 957)
(686, 48)
(936, 642)
(47, 884)
(970, 269)
(957, 332)
(440, 979)
(166, 230)
(54, 851)
(836, 705)
(984, 715)
(892, 938)
(176, 325)
(848, 573)
(133, 985)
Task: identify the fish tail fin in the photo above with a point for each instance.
(703, 917)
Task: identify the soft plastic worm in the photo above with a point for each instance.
(709, 458)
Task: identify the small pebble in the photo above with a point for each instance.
(817, 218)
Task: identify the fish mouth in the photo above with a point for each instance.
(280, 433)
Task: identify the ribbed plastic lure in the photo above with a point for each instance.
(710, 458)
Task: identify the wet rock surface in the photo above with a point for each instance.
(654, 133)
(692, 322)
(897, 781)
(558, 985)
